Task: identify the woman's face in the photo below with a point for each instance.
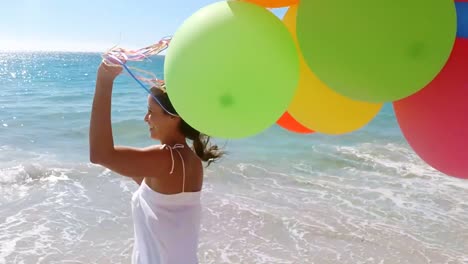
(160, 124)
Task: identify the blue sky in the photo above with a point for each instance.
(92, 25)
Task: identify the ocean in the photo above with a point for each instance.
(277, 197)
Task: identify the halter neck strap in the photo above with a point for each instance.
(176, 147)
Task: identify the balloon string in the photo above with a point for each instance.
(121, 56)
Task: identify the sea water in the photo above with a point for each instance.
(277, 197)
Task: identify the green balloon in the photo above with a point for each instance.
(376, 51)
(232, 69)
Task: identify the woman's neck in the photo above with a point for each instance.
(173, 141)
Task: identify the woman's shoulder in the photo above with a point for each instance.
(156, 147)
(170, 152)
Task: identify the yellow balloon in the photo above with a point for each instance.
(318, 107)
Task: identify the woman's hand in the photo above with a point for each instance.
(108, 72)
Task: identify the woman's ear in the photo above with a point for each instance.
(175, 118)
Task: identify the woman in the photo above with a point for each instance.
(166, 207)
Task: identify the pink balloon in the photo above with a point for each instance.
(434, 121)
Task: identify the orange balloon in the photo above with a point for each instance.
(288, 122)
(273, 3)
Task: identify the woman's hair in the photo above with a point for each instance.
(201, 143)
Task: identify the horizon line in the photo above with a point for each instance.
(57, 51)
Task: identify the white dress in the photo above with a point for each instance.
(166, 226)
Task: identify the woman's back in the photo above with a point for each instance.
(184, 174)
(167, 226)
